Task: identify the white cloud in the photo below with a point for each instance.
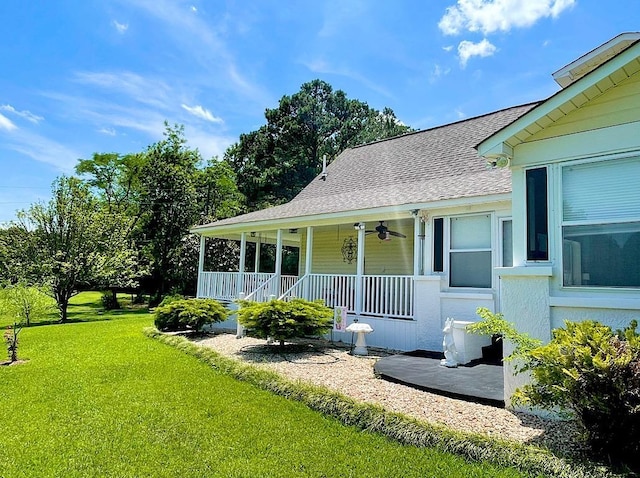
(144, 90)
(468, 49)
(120, 27)
(6, 123)
(447, 48)
(203, 43)
(488, 16)
(323, 67)
(45, 150)
(437, 73)
(202, 113)
(107, 131)
(28, 115)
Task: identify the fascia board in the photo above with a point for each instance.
(389, 213)
(554, 102)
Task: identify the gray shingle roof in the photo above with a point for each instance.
(432, 165)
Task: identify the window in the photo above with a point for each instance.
(470, 263)
(438, 245)
(537, 221)
(601, 224)
(506, 233)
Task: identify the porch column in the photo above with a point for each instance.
(199, 291)
(256, 267)
(243, 258)
(417, 226)
(360, 268)
(308, 259)
(278, 271)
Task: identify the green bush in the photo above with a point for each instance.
(189, 314)
(588, 372)
(282, 320)
(593, 372)
(167, 299)
(109, 300)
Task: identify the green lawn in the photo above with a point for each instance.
(97, 398)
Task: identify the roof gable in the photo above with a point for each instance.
(592, 60)
(589, 87)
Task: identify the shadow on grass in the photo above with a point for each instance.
(95, 314)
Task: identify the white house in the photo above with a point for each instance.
(575, 162)
(403, 232)
(411, 230)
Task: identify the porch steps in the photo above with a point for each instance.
(476, 382)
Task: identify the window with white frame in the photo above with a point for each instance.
(506, 241)
(601, 224)
(470, 263)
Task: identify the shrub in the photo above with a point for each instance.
(193, 314)
(167, 299)
(11, 341)
(283, 320)
(593, 372)
(587, 371)
(109, 301)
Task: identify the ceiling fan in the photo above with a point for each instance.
(383, 232)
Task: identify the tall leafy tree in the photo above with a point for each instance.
(116, 179)
(218, 196)
(72, 240)
(275, 162)
(169, 200)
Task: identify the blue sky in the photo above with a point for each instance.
(88, 76)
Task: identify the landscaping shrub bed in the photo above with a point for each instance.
(530, 459)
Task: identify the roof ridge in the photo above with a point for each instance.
(433, 128)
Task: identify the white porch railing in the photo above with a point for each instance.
(384, 296)
(218, 285)
(390, 296)
(334, 289)
(224, 285)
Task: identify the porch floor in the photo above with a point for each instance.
(476, 382)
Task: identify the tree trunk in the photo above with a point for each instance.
(62, 306)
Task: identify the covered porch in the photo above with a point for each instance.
(348, 264)
(403, 279)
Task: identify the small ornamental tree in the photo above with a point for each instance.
(11, 341)
(282, 320)
(189, 314)
(25, 302)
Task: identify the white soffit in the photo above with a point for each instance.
(592, 60)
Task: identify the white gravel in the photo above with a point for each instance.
(331, 365)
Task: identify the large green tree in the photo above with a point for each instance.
(72, 240)
(169, 202)
(276, 161)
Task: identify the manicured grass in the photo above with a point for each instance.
(97, 398)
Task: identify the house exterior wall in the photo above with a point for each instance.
(394, 257)
(534, 298)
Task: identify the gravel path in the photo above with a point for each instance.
(331, 365)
